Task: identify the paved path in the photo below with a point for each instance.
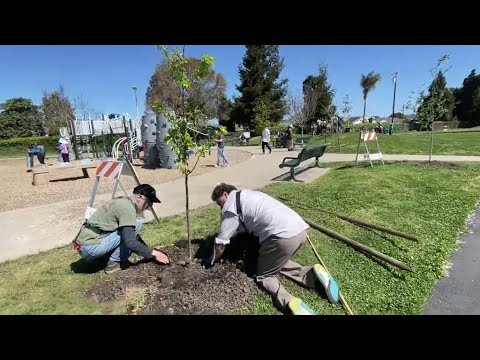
(41, 228)
(459, 292)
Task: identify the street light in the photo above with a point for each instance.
(136, 102)
(394, 79)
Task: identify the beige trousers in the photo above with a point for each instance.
(274, 257)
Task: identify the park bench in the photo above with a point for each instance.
(41, 173)
(309, 152)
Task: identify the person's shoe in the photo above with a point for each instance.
(298, 307)
(134, 258)
(328, 282)
(112, 267)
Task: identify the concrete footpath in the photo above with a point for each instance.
(41, 228)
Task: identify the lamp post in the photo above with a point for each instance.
(394, 79)
(136, 102)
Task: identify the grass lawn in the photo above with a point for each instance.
(425, 200)
(413, 143)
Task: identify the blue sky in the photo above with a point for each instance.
(103, 75)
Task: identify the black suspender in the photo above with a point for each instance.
(239, 207)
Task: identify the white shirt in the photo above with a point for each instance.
(266, 135)
(262, 215)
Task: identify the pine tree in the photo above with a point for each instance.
(260, 85)
(323, 90)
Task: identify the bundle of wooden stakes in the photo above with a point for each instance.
(354, 244)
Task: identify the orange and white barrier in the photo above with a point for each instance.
(109, 169)
(368, 156)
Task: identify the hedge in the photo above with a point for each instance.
(22, 144)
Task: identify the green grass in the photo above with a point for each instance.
(430, 202)
(413, 143)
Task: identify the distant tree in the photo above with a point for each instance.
(82, 108)
(260, 83)
(302, 108)
(20, 118)
(398, 115)
(57, 110)
(467, 101)
(225, 114)
(205, 94)
(324, 92)
(368, 83)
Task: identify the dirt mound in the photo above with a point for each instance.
(177, 289)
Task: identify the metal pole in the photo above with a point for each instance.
(394, 91)
(136, 101)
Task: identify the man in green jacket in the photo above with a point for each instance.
(113, 231)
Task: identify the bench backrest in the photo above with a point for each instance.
(312, 151)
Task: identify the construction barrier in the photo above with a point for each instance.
(365, 137)
(112, 170)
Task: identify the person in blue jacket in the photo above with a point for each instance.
(38, 150)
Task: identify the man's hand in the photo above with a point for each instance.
(160, 257)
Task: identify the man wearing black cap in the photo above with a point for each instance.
(113, 231)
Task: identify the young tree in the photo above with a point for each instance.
(302, 109)
(178, 136)
(433, 105)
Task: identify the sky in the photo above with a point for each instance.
(103, 75)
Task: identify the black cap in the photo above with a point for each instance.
(148, 191)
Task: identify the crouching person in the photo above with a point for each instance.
(281, 232)
(112, 231)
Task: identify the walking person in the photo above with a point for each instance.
(221, 158)
(266, 140)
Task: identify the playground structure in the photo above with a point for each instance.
(110, 136)
(154, 131)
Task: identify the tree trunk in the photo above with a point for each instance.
(188, 219)
(431, 145)
(302, 135)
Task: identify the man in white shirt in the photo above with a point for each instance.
(281, 232)
(266, 140)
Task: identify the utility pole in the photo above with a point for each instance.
(136, 102)
(390, 131)
(394, 92)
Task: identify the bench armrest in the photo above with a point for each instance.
(289, 158)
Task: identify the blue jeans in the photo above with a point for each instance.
(221, 156)
(112, 245)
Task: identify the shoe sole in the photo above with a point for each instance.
(111, 271)
(328, 282)
(298, 307)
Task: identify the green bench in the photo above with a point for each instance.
(309, 152)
